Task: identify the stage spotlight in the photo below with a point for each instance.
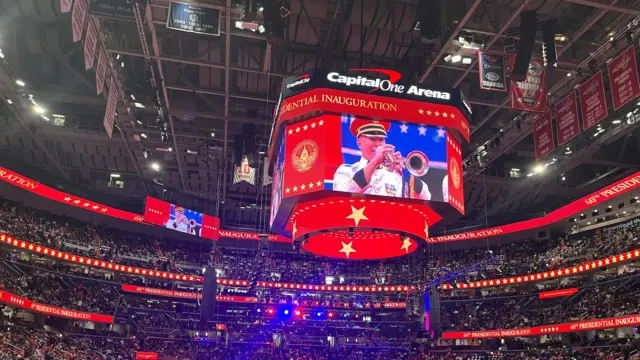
(319, 314)
(258, 310)
(270, 311)
(330, 314)
(298, 313)
(286, 312)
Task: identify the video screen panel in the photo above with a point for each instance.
(181, 219)
(276, 188)
(393, 159)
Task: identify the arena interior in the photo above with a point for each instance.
(319, 179)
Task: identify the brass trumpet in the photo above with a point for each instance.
(416, 163)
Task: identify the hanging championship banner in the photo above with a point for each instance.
(531, 94)
(623, 78)
(491, 71)
(195, 18)
(593, 103)
(567, 123)
(543, 135)
(90, 46)
(77, 18)
(110, 111)
(244, 172)
(101, 71)
(65, 6)
(114, 9)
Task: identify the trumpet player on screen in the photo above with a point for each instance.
(379, 171)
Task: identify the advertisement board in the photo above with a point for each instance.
(181, 219)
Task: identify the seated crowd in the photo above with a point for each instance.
(80, 288)
(140, 250)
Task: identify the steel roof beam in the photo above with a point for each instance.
(157, 87)
(495, 38)
(605, 7)
(179, 60)
(443, 47)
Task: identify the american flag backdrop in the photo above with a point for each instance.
(407, 137)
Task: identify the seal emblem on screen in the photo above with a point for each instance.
(455, 173)
(304, 155)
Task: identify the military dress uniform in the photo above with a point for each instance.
(350, 177)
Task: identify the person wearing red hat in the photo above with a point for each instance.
(379, 171)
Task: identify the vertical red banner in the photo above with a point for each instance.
(567, 123)
(531, 94)
(65, 6)
(543, 135)
(623, 78)
(90, 42)
(78, 16)
(593, 103)
(455, 189)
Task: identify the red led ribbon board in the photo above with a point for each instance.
(609, 323)
(25, 303)
(186, 294)
(55, 195)
(145, 355)
(557, 293)
(609, 192)
(337, 195)
(174, 217)
(623, 78)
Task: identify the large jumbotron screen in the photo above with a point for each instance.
(426, 146)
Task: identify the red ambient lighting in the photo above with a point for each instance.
(557, 293)
(298, 313)
(270, 311)
(330, 314)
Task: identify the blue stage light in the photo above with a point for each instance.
(319, 314)
(286, 312)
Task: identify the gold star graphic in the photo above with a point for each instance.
(405, 245)
(347, 249)
(357, 215)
